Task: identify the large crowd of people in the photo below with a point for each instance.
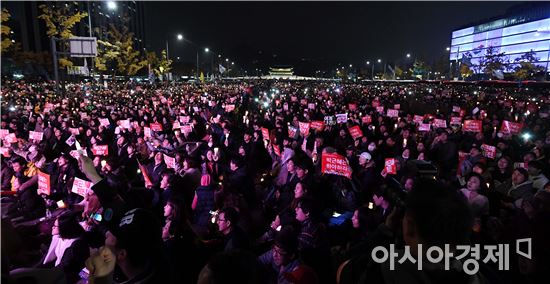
(272, 181)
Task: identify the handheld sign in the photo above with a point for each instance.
(332, 163)
(44, 183)
(81, 187)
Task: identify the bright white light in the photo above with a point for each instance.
(526, 136)
(256, 100)
(350, 66)
(227, 60)
(448, 48)
(410, 93)
(111, 5)
(266, 104)
(207, 49)
(408, 55)
(180, 36)
(337, 90)
(12, 108)
(368, 62)
(475, 92)
(379, 60)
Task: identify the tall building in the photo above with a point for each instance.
(31, 31)
(522, 29)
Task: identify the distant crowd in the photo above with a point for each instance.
(273, 182)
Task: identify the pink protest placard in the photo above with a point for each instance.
(81, 187)
(393, 113)
(170, 162)
(36, 136)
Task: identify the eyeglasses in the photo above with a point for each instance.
(221, 220)
(279, 251)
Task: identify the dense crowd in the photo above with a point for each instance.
(271, 181)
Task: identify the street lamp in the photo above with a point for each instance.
(179, 37)
(379, 60)
(111, 5)
(448, 48)
(206, 49)
(408, 55)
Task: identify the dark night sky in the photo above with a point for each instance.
(325, 32)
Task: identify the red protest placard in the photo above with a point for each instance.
(424, 127)
(489, 151)
(352, 106)
(367, 119)
(44, 183)
(355, 132)
(81, 187)
(170, 162)
(393, 113)
(332, 163)
(317, 125)
(472, 125)
(390, 166)
(100, 150)
(36, 136)
(156, 126)
(277, 150)
(397, 106)
(509, 127)
(418, 119)
(104, 122)
(304, 128)
(440, 123)
(456, 120)
(5, 151)
(265, 133)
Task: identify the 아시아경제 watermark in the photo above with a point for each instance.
(493, 253)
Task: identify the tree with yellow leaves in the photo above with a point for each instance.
(5, 31)
(160, 66)
(117, 51)
(60, 21)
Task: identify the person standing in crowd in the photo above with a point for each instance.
(233, 236)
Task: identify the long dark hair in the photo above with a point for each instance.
(69, 228)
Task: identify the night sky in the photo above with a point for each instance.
(316, 34)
